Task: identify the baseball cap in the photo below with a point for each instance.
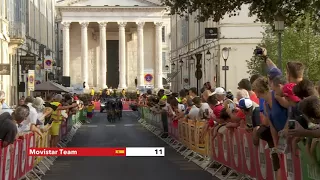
(245, 103)
(287, 90)
(218, 90)
(274, 72)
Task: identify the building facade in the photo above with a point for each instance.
(32, 32)
(4, 43)
(239, 34)
(119, 44)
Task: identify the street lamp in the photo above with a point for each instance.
(173, 65)
(279, 27)
(191, 60)
(167, 68)
(208, 55)
(181, 62)
(225, 56)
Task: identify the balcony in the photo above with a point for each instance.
(17, 32)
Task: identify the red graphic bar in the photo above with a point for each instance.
(77, 151)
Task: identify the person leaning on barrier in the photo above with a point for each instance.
(194, 111)
(304, 89)
(30, 123)
(9, 124)
(42, 111)
(310, 108)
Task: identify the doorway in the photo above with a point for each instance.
(113, 63)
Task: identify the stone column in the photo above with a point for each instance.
(84, 52)
(66, 48)
(122, 55)
(103, 55)
(158, 55)
(140, 52)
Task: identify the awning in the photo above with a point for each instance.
(50, 86)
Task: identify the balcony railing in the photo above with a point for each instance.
(17, 30)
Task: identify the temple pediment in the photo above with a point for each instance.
(124, 3)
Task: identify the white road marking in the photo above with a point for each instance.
(128, 125)
(92, 126)
(110, 125)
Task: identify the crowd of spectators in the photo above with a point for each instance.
(280, 108)
(38, 115)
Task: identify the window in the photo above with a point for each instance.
(184, 31)
(163, 34)
(164, 61)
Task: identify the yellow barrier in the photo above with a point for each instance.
(200, 142)
(43, 142)
(192, 135)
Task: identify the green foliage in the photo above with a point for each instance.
(264, 10)
(300, 42)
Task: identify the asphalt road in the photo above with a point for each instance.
(125, 133)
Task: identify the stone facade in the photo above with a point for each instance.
(136, 48)
(240, 34)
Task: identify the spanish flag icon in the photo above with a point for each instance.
(120, 151)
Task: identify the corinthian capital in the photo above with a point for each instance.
(65, 25)
(122, 24)
(140, 25)
(102, 24)
(84, 24)
(158, 24)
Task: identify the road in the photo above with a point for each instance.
(125, 133)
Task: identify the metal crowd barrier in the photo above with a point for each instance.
(234, 150)
(15, 163)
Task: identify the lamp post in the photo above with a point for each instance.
(198, 70)
(225, 56)
(279, 27)
(181, 64)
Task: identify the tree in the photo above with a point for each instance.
(264, 10)
(299, 43)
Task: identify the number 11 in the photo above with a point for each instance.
(158, 151)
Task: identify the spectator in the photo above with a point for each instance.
(19, 115)
(194, 111)
(21, 102)
(30, 123)
(254, 77)
(245, 84)
(43, 112)
(310, 107)
(8, 124)
(215, 105)
(205, 111)
(304, 89)
(249, 108)
(56, 120)
(236, 115)
(242, 93)
(220, 93)
(8, 129)
(295, 71)
(193, 92)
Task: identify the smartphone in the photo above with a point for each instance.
(291, 124)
